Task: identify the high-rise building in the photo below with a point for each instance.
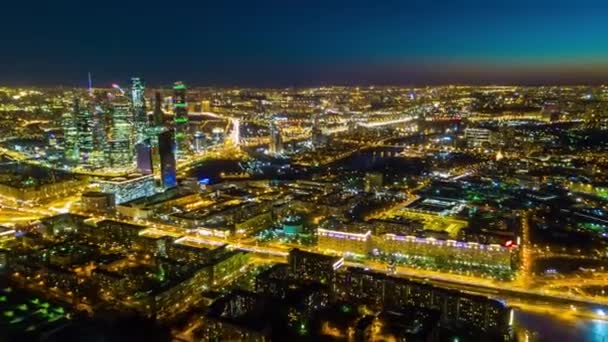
(70, 133)
(144, 157)
(101, 116)
(166, 150)
(180, 110)
(153, 133)
(85, 132)
(99, 126)
(138, 108)
(276, 142)
(121, 131)
(158, 116)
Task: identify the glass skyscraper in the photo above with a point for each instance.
(119, 143)
(158, 116)
(99, 128)
(144, 157)
(166, 150)
(180, 110)
(70, 132)
(85, 131)
(138, 108)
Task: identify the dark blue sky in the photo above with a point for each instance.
(293, 42)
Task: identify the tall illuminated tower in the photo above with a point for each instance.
(138, 108)
(276, 142)
(70, 132)
(119, 143)
(143, 152)
(85, 132)
(156, 128)
(158, 116)
(180, 110)
(166, 150)
(99, 126)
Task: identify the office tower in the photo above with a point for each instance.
(144, 157)
(166, 150)
(100, 125)
(138, 108)
(158, 118)
(85, 132)
(180, 110)
(276, 143)
(121, 130)
(199, 141)
(98, 108)
(153, 133)
(70, 132)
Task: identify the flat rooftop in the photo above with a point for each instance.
(126, 178)
(159, 198)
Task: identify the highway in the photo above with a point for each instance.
(543, 298)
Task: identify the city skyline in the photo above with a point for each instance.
(414, 170)
(324, 200)
(271, 44)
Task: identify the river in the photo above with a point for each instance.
(546, 327)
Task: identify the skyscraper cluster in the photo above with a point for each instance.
(114, 129)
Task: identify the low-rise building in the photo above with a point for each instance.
(128, 188)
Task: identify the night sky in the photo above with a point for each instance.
(302, 43)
